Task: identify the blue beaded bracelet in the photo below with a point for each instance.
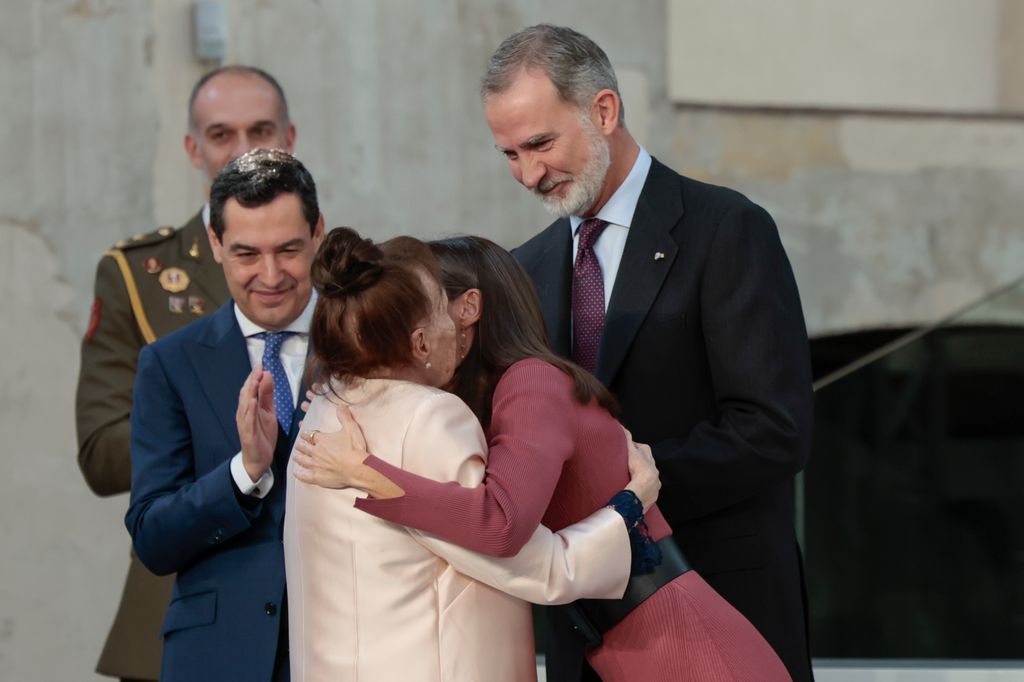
(646, 555)
(629, 507)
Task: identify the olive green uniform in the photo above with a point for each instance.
(146, 287)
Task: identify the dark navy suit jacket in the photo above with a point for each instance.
(187, 516)
(705, 347)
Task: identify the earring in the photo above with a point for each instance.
(462, 344)
(427, 364)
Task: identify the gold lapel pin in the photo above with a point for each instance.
(658, 255)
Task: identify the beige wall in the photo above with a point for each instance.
(1010, 53)
(890, 217)
(886, 218)
(947, 56)
(889, 221)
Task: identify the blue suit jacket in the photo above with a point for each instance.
(186, 515)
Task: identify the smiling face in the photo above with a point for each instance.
(553, 147)
(233, 113)
(266, 252)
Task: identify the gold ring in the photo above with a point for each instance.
(312, 436)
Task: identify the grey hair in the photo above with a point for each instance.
(575, 64)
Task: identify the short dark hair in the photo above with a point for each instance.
(575, 64)
(371, 299)
(240, 69)
(511, 326)
(258, 177)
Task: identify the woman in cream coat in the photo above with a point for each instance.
(370, 600)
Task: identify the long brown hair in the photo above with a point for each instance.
(511, 326)
(371, 298)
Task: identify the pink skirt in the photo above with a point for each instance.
(686, 632)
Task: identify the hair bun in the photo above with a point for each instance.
(346, 264)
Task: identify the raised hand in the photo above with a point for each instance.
(257, 422)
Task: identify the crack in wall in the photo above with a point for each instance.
(63, 312)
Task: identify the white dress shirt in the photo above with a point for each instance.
(293, 357)
(618, 213)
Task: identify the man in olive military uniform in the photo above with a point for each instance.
(146, 287)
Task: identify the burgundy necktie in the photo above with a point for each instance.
(587, 296)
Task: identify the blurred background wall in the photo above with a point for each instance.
(894, 210)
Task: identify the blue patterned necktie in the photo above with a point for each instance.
(284, 408)
(587, 296)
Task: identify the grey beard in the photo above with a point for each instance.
(586, 187)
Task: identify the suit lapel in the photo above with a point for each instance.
(298, 415)
(221, 361)
(283, 449)
(553, 281)
(642, 271)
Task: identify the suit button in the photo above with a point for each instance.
(270, 608)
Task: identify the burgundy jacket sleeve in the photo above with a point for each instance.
(529, 442)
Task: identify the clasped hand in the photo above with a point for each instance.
(331, 460)
(644, 480)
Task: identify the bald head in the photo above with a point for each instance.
(236, 69)
(233, 110)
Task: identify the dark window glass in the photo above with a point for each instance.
(913, 502)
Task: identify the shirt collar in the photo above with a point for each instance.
(300, 325)
(620, 208)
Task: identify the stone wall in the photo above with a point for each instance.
(887, 219)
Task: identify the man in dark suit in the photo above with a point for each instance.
(680, 298)
(213, 422)
(146, 287)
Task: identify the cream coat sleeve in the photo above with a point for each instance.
(587, 559)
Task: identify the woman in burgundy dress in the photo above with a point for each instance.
(556, 455)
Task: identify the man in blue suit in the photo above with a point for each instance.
(213, 424)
